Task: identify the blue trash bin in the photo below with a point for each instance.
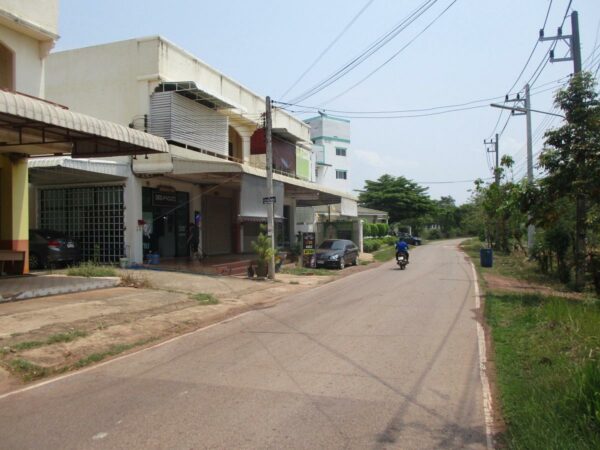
(486, 257)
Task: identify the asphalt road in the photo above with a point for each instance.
(381, 359)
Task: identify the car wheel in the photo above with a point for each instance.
(355, 261)
(34, 261)
(342, 263)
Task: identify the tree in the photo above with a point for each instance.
(500, 203)
(572, 158)
(445, 215)
(403, 199)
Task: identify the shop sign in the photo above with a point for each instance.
(308, 249)
(161, 198)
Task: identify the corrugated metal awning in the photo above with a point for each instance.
(191, 90)
(34, 126)
(65, 170)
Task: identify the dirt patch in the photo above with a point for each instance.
(500, 283)
(114, 321)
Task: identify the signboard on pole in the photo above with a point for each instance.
(309, 245)
(269, 200)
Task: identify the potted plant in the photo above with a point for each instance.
(262, 247)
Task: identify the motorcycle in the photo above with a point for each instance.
(402, 261)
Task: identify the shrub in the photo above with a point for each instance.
(368, 229)
(371, 245)
(434, 234)
(382, 229)
(390, 240)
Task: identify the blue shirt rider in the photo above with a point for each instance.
(401, 247)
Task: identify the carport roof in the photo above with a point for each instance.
(33, 126)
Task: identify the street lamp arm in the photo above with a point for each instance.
(520, 109)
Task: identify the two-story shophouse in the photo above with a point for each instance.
(32, 128)
(213, 175)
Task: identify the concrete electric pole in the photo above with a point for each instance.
(495, 150)
(530, 228)
(270, 204)
(574, 45)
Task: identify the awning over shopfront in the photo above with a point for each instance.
(304, 192)
(65, 170)
(34, 127)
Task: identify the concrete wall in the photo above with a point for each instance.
(113, 82)
(34, 16)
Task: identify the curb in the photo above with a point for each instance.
(74, 284)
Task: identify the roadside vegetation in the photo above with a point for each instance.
(542, 303)
(91, 269)
(308, 271)
(205, 299)
(548, 369)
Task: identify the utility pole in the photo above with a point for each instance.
(530, 228)
(523, 107)
(494, 142)
(270, 204)
(573, 42)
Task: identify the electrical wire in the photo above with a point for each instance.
(373, 72)
(453, 107)
(523, 69)
(324, 52)
(367, 53)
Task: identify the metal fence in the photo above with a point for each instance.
(93, 216)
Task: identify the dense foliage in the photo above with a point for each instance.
(564, 204)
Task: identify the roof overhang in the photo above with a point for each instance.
(34, 127)
(191, 90)
(284, 134)
(65, 170)
(305, 192)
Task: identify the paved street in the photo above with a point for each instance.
(380, 359)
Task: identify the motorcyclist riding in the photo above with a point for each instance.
(402, 247)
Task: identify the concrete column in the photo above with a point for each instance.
(134, 233)
(14, 211)
(196, 205)
(245, 148)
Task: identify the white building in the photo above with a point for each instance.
(331, 147)
(213, 175)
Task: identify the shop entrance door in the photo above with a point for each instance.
(168, 214)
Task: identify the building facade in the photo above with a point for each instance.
(331, 147)
(213, 176)
(32, 128)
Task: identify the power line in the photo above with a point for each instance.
(453, 181)
(335, 40)
(371, 49)
(522, 71)
(370, 74)
(453, 107)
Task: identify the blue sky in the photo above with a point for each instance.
(474, 51)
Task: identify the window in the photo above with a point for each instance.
(341, 174)
(7, 61)
(340, 151)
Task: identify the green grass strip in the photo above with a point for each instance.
(548, 370)
(205, 299)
